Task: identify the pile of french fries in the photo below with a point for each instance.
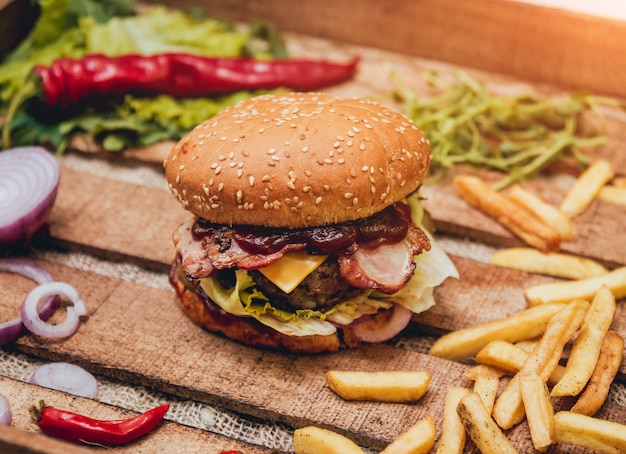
(536, 222)
(518, 377)
(533, 380)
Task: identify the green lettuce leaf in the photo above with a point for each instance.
(159, 31)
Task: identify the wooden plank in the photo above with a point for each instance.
(115, 220)
(24, 437)
(529, 41)
(138, 335)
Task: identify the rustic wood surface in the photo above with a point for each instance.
(138, 335)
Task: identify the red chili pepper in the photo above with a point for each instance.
(79, 428)
(68, 81)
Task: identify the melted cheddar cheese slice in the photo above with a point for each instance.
(288, 272)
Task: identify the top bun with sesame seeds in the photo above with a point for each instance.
(297, 160)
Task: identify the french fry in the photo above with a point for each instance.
(589, 432)
(528, 345)
(465, 343)
(418, 439)
(586, 349)
(551, 264)
(386, 386)
(538, 409)
(453, 435)
(546, 213)
(586, 188)
(506, 356)
(516, 219)
(481, 428)
(508, 409)
(487, 388)
(563, 292)
(315, 440)
(474, 372)
(613, 194)
(597, 390)
(619, 182)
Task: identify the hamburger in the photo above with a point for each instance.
(305, 232)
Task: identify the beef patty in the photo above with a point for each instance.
(321, 289)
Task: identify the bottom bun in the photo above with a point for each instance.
(250, 332)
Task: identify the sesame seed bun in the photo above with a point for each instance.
(297, 160)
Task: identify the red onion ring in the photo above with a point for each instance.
(29, 180)
(65, 377)
(34, 324)
(5, 411)
(11, 330)
(382, 326)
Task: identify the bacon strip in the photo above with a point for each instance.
(386, 268)
(375, 264)
(195, 259)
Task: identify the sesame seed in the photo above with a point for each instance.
(318, 201)
(265, 178)
(220, 187)
(239, 173)
(305, 148)
(290, 185)
(355, 201)
(362, 146)
(251, 180)
(348, 195)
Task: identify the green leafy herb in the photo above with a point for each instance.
(516, 134)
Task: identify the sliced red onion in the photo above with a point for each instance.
(65, 377)
(5, 411)
(11, 330)
(382, 326)
(29, 181)
(34, 324)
